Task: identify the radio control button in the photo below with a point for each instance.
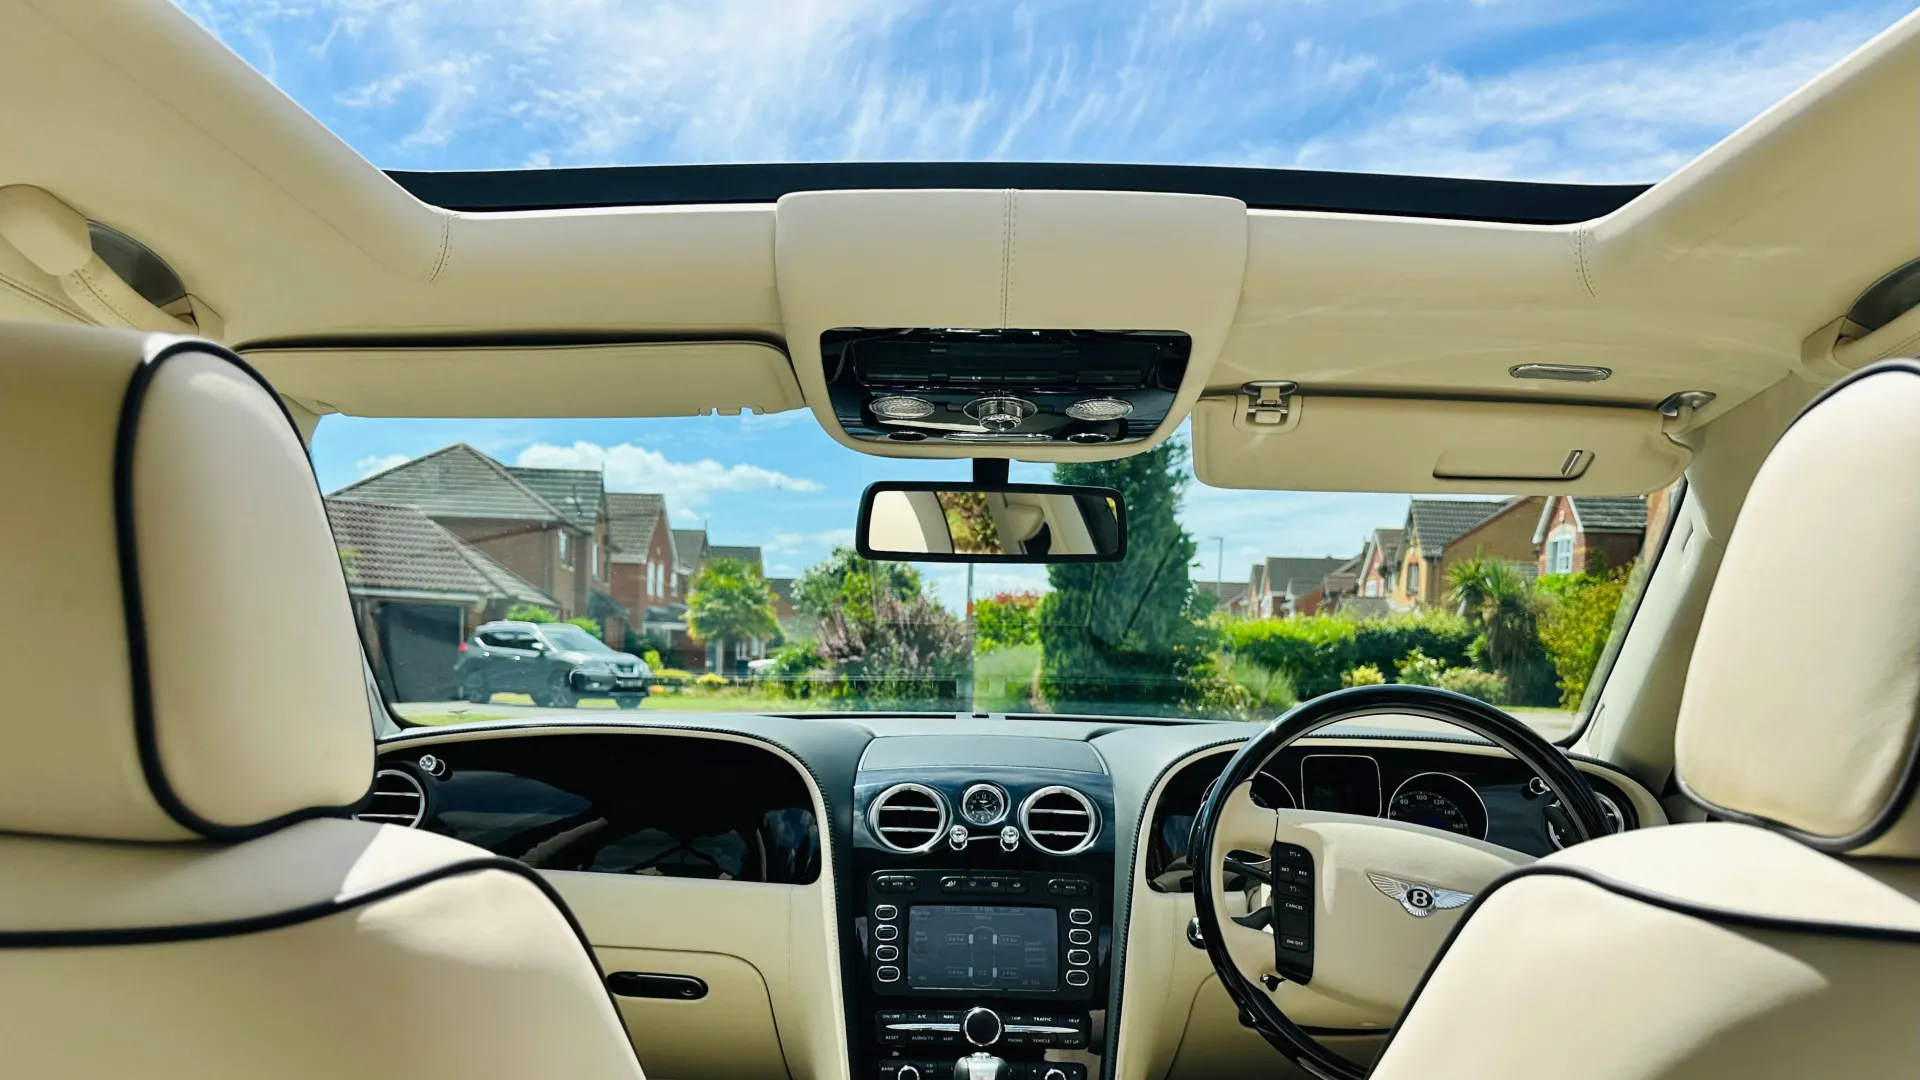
(887, 973)
(886, 953)
(886, 932)
(1080, 917)
(982, 1027)
(1078, 977)
(885, 912)
(909, 1071)
(1079, 957)
(1079, 937)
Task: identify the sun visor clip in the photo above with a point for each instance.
(1269, 405)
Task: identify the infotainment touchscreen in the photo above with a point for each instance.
(954, 947)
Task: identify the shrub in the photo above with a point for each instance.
(1383, 643)
(530, 613)
(1364, 675)
(1003, 680)
(1485, 685)
(1578, 622)
(1267, 692)
(1311, 650)
(591, 626)
(651, 658)
(710, 680)
(1006, 619)
(1419, 669)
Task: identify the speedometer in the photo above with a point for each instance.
(1440, 801)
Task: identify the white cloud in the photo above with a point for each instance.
(688, 485)
(1609, 114)
(814, 542)
(379, 463)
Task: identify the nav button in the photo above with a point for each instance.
(887, 973)
(1077, 936)
(1078, 978)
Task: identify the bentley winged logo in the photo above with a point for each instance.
(1419, 900)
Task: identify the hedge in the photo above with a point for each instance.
(1315, 650)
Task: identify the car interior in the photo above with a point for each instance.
(225, 851)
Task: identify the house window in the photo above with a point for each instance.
(1560, 553)
(1373, 586)
(566, 548)
(593, 555)
(1413, 578)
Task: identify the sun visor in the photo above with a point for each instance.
(1008, 259)
(686, 378)
(1303, 442)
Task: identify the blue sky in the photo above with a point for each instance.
(1580, 90)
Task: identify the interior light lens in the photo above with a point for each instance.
(900, 407)
(1100, 408)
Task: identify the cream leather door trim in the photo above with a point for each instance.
(726, 1035)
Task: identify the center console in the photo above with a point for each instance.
(984, 923)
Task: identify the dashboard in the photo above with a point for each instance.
(881, 896)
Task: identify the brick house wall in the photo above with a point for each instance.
(531, 550)
(629, 583)
(1507, 536)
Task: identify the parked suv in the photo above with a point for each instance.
(554, 663)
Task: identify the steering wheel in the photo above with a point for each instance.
(1357, 907)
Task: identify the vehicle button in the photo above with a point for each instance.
(908, 1071)
(886, 911)
(886, 953)
(1019, 1038)
(1295, 889)
(1080, 916)
(1079, 957)
(946, 1018)
(1015, 885)
(889, 1017)
(887, 973)
(1079, 937)
(994, 885)
(1077, 977)
(1292, 925)
(1295, 943)
(951, 884)
(886, 932)
(923, 1016)
(982, 1027)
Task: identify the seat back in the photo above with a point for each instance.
(182, 893)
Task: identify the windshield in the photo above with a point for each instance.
(718, 549)
(573, 637)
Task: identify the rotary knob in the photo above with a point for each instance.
(1054, 1074)
(909, 1072)
(982, 1027)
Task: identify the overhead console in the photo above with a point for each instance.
(1003, 387)
(1047, 325)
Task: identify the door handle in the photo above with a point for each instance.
(650, 984)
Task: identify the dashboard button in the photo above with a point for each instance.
(885, 912)
(886, 953)
(886, 932)
(1077, 936)
(887, 973)
(1080, 917)
(1078, 978)
(1079, 957)
(951, 884)
(1295, 944)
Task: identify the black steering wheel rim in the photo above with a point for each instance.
(1576, 796)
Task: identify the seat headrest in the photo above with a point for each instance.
(1802, 704)
(183, 660)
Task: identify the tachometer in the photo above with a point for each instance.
(983, 805)
(1440, 801)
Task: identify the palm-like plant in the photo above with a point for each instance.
(1501, 600)
(729, 601)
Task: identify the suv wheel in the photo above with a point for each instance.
(628, 701)
(560, 695)
(475, 691)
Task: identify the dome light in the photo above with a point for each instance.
(900, 407)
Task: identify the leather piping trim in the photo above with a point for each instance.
(157, 350)
(1705, 912)
(1901, 798)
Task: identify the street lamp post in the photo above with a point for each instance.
(1219, 570)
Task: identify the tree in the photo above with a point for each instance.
(729, 601)
(1008, 618)
(845, 579)
(1578, 624)
(1498, 597)
(904, 652)
(1127, 635)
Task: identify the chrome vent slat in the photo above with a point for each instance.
(912, 801)
(390, 785)
(1047, 807)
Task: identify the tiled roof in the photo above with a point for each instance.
(1610, 513)
(1438, 522)
(748, 555)
(689, 548)
(631, 518)
(576, 493)
(1298, 577)
(1388, 543)
(453, 482)
(782, 588)
(1230, 592)
(389, 546)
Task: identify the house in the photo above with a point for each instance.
(1441, 533)
(749, 555)
(690, 554)
(1379, 562)
(1341, 585)
(1281, 587)
(643, 579)
(1229, 596)
(1581, 534)
(418, 591)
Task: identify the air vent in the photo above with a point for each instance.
(398, 799)
(908, 818)
(1059, 821)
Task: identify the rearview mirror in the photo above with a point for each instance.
(991, 523)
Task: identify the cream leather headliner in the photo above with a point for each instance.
(1710, 281)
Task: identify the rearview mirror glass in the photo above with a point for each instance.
(991, 523)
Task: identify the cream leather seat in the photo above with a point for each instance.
(186, 723)
(1784, 940)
